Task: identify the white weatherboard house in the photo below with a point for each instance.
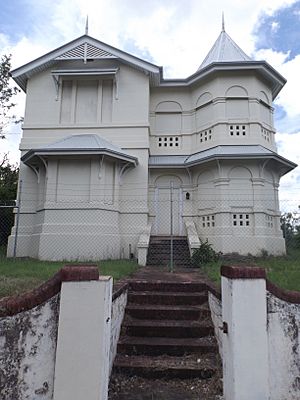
(107, 139)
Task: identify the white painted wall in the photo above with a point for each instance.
(284, 348)
(260, 352)
(117, 316)
(215, 306)
(83, 344)
(27, 352)
(211, 113)
(245, 347)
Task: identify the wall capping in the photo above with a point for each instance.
(15, 304)
(243, 272)
(214, 289)
(118, 289)
(289, 296)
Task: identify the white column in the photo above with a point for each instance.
(82, 356)
(245, 347)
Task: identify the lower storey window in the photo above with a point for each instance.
(241, 219)
(269, 221)
(208, 221)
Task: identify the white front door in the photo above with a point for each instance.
(168, 209)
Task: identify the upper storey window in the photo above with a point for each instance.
(265, 108)
(86, 101)
(204, 110)
(237, 104)
(168, 117)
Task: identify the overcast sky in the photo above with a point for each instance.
(175, 34)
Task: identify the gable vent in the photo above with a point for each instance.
(85, 51)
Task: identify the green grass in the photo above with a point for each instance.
(283, 271)
(20, 275)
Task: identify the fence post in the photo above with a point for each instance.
(245, 343)
(18, 218)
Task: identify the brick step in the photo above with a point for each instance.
(168, 367)
(166, 286)
(168, 328)
(135, 345)
(167, 245)
(152, 311)
(160, 262)
(167, 256)
(167, 239)
(169, 298)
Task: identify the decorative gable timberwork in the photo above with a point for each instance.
(85, 51)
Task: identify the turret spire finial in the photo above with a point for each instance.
(223, 22)
(87, 25)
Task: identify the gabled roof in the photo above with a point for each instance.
(225, 55)
(224, 50)
(221, 152)
(85, 144)
(83, 48)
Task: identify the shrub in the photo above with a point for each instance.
(204, 254)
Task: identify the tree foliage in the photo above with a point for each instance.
(8, 193)
(8, 180)
(290, 225)
(7, 91)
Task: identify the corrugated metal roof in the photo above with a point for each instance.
(226, 151)
(84, 143)
(224, 50)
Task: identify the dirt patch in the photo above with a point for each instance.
(123, 387)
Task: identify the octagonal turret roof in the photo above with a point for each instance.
(224, 50)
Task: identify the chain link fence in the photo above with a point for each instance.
(82, 222)
(7, 218)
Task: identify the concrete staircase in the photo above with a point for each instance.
(167, 332)
(159, 252)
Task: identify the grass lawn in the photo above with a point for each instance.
(283, 271)
(21, 275)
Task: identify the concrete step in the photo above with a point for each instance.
(166, 366)
(159, 252)
(153, 311)
(136, 345)
(167, 328)
(166, 286)
(167, 298)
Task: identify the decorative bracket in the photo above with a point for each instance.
(36, 171)
(57, 85)
(190, 176)
(101, 160)
(117, 84)
(123, 171)
(262, 167)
